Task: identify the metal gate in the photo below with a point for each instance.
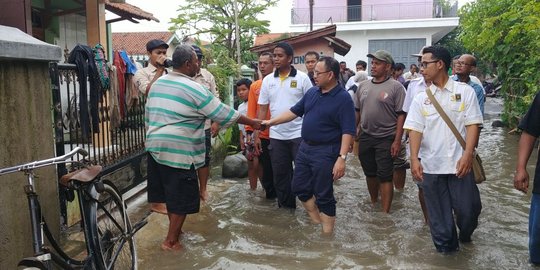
(118, 148)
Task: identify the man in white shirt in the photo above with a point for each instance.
(445, 168)
(279, 92)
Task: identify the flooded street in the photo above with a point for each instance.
(240, 229)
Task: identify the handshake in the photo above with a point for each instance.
(259, 124)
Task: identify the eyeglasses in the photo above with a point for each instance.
(426, 63)
(461, 63)
(317, 73)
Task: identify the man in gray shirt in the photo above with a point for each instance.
(378, 104)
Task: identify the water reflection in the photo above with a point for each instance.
(239, 229)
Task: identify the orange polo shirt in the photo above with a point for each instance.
(253, 107)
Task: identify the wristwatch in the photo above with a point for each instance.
(344, 157)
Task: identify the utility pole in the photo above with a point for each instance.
(311, 14)
(237, 34)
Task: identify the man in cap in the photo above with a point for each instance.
(378, 104)
(279, 92)
(157, 54)
(206, 79)
(414, 87)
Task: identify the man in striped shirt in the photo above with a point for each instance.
(176, 110)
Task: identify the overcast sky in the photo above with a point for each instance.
(279, 16)
(164, 10)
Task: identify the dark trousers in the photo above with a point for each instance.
(313, 175)
(534, 229)
(446, 195)
(283, 153)
(265, 161)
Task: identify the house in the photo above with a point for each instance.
(401, 27)
(69, 22)
(134, 43)
(322, 41)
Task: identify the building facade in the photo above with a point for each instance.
(401, 27)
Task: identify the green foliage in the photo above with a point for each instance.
(216, 18)
(507, 33)
(452, 42)
(224, 69)
(228, 143)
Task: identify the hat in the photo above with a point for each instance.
(383, 56)
(156, 43)
(420, 53)
(197, 50)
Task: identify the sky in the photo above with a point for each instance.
(163, 10)
(279, 16)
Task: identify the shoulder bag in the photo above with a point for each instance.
(478, 168)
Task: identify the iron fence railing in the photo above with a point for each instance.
(376, 12)
(112, 145)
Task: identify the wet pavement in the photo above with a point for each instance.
(239, 229)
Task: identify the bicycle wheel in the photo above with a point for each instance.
(116, 246)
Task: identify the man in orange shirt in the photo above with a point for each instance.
(262, 138)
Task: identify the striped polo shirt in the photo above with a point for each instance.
(176, 110)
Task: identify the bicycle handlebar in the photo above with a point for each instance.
(45, 162)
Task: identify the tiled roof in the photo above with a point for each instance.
(135, 42)
(328, 33)
(128, 11)
(271, 37)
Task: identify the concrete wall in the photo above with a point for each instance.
(26, 135)
(300, 49)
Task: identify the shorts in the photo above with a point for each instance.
(402, 161)
(208, 145)
(177, 188)
(375, 157)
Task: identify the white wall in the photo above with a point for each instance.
(359, 41)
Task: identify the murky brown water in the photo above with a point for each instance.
(239, 229)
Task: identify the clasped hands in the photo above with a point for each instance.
(259, 124)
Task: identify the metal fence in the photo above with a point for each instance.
(112, 145)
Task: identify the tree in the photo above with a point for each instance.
(506, 33)
(216, 18)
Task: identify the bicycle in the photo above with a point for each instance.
(108, 233)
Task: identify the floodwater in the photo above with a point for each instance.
(239, 229)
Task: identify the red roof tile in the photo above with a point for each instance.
(135, 42)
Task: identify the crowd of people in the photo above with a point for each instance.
(297, 130)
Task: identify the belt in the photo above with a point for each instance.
(314, 143)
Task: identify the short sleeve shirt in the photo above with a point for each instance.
(280, 95)
(531, 124)
(327, 116)
(206, 79)
(379, 105)
(439, 149)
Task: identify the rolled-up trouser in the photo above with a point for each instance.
(283, 153)
(446, 195)
(313, 175)
(267, 180)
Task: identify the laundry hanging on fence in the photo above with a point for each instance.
(83, 57)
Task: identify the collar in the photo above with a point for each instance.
(180, 74)
(332, 92)
(291, 74)
(151, 67)
(449, 86)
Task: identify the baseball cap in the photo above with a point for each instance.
(383, 56)
(155, 43)
(420, 53)
(198, 51)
